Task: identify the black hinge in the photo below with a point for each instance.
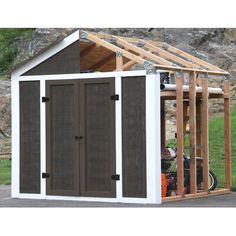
(45, 175)
(115, 177)
(115, 97)
(45, 99)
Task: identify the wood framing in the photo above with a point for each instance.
(204, 134)
(227, 134)
(119, 62)
(167, 55)
(192, 126)
(163, 124)
(180, 132)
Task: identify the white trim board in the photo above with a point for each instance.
(47, 54)
(83, 75)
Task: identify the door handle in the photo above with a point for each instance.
(78, 137)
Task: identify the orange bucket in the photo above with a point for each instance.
(163, 185)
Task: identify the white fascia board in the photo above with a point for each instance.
(83, 75)
(47, 54)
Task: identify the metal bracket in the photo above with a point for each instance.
(179, 74)
(119, 54)
(227, 77)
(165, 46)
(115, 177)
(83, 35)
(115, 97)
(45, 99)
(148, 66)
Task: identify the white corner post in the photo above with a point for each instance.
(15, 119)
(42, 138)
(153, 144)
(118, 120)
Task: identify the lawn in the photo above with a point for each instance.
(5, 171)
(216, 147)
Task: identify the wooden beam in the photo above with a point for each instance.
(169, 56)
(129, 64)
(185, 116)
(88, 50)
(187, 56)
(192, 126)
(141, 51)
(227, 134)
(103, 61)
(169, 49)
(180, 138)
(163, 124)
(113, 48)
(119, 62)
(205, 136)
(198, 127)
(197, 195)
(139, 60)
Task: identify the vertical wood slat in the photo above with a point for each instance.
(205, 136)
(119, 62)
(185, 116)
(180, 132)
(192, 125)
(198, 128)
(227, 134)
(163, 124)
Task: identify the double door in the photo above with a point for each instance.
(80, 137)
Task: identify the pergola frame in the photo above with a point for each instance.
(161, 56)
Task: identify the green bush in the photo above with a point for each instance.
(8, 50)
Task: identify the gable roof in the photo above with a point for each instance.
(98, 51)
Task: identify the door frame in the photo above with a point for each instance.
(153, 148)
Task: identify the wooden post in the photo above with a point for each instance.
(198, 128)
(119, 61)
(227, 134)
(180, 133)
(185, 117)
(192, 126)
(205, 137)
(163, 124)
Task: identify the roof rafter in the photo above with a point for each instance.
(114, 48)
(188, 56)
(168, 55)
(103, 61)
(89, 49)
(130, 46)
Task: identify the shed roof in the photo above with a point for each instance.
(99, 51)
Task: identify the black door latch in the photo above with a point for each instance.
(115, 177)
(45, 175)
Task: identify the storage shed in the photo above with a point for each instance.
(87, 127)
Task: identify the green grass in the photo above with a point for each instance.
(216, 147)
(5, 172)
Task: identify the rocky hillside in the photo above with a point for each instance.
(218, 46)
